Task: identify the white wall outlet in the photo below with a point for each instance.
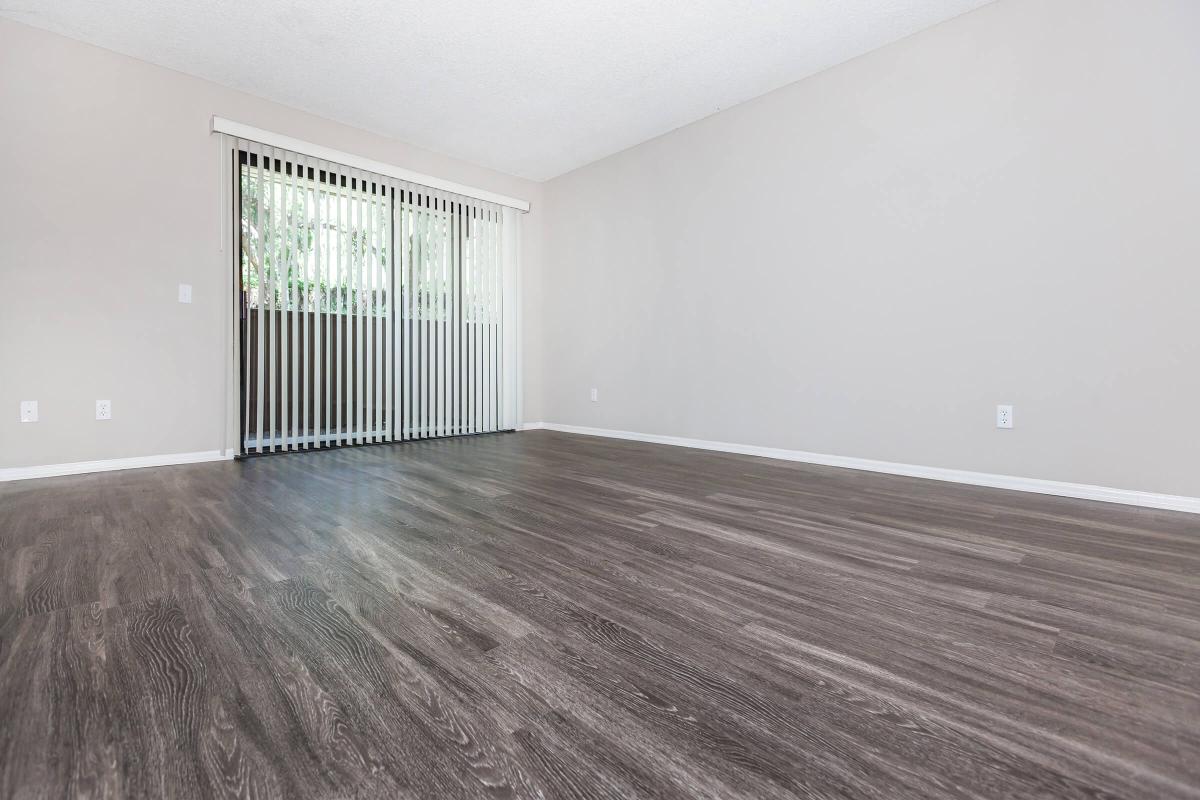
(29, 411)
(185, 293)
(103, 409)
(595, 395)
(1004, 416)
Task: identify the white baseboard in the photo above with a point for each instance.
(1081, 491)
(137, 462)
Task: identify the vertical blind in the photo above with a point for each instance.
(451, 308)
(371, 309)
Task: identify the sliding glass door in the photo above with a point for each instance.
(369, 309)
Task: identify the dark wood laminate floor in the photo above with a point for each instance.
(540, 614)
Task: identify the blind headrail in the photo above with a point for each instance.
(243, 131)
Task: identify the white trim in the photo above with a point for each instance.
(1081, 491)
(230, 282)
(510, 322)
(107, 465)
(242, 131)
(519, 324)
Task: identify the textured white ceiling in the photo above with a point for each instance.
(530, 87)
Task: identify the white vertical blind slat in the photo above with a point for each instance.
(289, 276)
(406, 329)
(413, 362)
(389, 333)
(286, 241)
(435, 250)
(339, 315)
(384, 306)
(431, 232)
(373, 342)
(377, 312)
(377, 315)
(353, 374)
(487, 324)
(304, 309)
(409, 248)
(288, 246)
(414, 269)
(261, 248)
(501, 372)
(473, 327)
(489, 383)
(323, 318)
(485, 310)
(333, 202)
(346, 206)
(452, 320)
(366, 347)
(480, 331)
(433, 242)
(368, 362)
(353, 342)
(272, 283)
(318, 340)
(368, 314)
(443, 239)
(489, 230)
(491, 330)
(420, 382)
(435, 339)
(496, 349)
(468, 332)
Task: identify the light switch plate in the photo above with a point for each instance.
(103, 409)
(185, 293)
(29, 411)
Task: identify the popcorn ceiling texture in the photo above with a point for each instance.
(534, 88)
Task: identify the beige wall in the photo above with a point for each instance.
(111, 199)
(1002, 209)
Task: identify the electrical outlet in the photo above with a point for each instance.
(29, 411)
(103, 409)
(185, 293)
(595, 395)
(1004, 416)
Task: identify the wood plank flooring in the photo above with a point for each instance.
(547, 615)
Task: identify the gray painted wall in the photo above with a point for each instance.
(111, 199)
(1001, 209)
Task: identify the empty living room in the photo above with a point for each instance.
(626, 399)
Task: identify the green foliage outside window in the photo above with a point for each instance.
(310, 247)
(283, 243)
